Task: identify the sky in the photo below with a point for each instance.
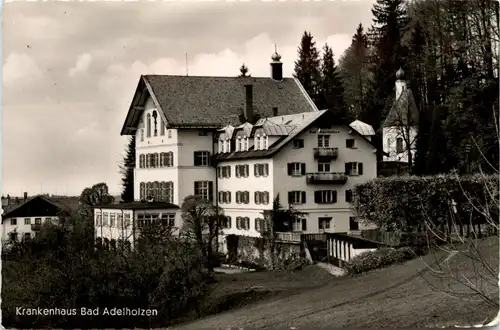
(70, 70)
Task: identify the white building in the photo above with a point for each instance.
(27, 218)
(240, 142)
(399, 130)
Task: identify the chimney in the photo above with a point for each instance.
(276, 66)
(25, 196)
(275, 111)
(8, 199)
(249, 103)
(17, 200)
(400, 83)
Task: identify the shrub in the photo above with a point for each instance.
(378, 259)
(405, 203)
(215, 259)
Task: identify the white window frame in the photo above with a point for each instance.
(323, 141)
(204, 156)
(327, 196)
(324, 167)
(27, 221)
(221, 146)
(324, 223)
(354, 168)
(295, 199)
(203, 189)
(297, 169)
(38, 221)
(297, 225)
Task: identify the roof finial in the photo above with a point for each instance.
(400, 74)
(276, 57)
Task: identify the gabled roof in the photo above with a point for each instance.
(19, 210)
(363, 128)
(214, 102)
(403, 111)
(298, 123)
(270, 128)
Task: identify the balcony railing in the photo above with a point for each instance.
(288, 237)
(36, 227)
(326, 178)
(326, 153)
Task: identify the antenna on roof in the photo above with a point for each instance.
(187, 72)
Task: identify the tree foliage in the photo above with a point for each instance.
(307, 67)
(332, 88)
(127, 172)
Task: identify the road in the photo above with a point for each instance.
(398, 296)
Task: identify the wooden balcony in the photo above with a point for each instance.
(288, 237)
(326, 153)
(35, 227)
(326, 178)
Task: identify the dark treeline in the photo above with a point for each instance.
(449, 52)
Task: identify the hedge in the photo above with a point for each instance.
(378, 259)
(406, 202)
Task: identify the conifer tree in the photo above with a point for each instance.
(307, 67)
(127, 171)
(331, 85)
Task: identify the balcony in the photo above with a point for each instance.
(36, 227)
(326, 153)
(326, 178)
(288, 237)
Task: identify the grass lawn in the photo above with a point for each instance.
(405, 295)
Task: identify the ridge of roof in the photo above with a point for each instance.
(399, 114)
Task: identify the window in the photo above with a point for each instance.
(348, 196)
(238, 144)
(27, 221)
(38, 221)
(258, 143)
(155, 162)
(98, 220)
(169, 133)
(167, 192)
(226, 222)
(324, 223)
(142, 134)
(354, 168)
(167, 159)
(350, 143)
(13, 222)
(296, 197)
(242, 171)
(224, 171)
(299, 225)
(224, 197)
(140, 220)
(296, 169)
(13, 236)
(112, 218)
(168, 219)
(202, 133)
(245, 144)
(243, 223)
(399, 145)
(221, 146)
(325, 196)
(119, 220)
(148, 160)
(48, 219)
(142, 162)
(266, 142)
(126, 220)
(204, 189)
(155, 116)
(353, 224)
(261, 170)
(105, 218)
(324, 167)
(201, 158)
(142, 191)
(148, 125)
(298, 143)
(242, 197)
(323, 141)
(260, 225)
(261, 197)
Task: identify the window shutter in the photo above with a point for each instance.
(247, 225)
(290, 197)
(256, 224)
(347, 168)
(290, 168)
(266, 197)
(221, 197)
(210, 191)
(228, 221)
(161, 159)
(360, 168)
(348, 195)
(229, 171)
(219, 172)
(304, 225)
(247, 197)
(247, 168)
(238, 222)
(317, 196)
(229, 197)
(209, 158)
(256, 170)
(303, 199)
(303, 168)
(334, 196)
(237, 171)
(266, 169)
(256, 197)
(238, 197)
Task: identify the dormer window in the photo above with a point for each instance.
(266, 142)
(257, 142)
(238, 144)
(245, 143)
(228, 145)
(221, 146)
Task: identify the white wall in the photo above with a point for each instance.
(21, 228)
(340, 211)
(343, 250)
(126, 232)
(390, 135)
